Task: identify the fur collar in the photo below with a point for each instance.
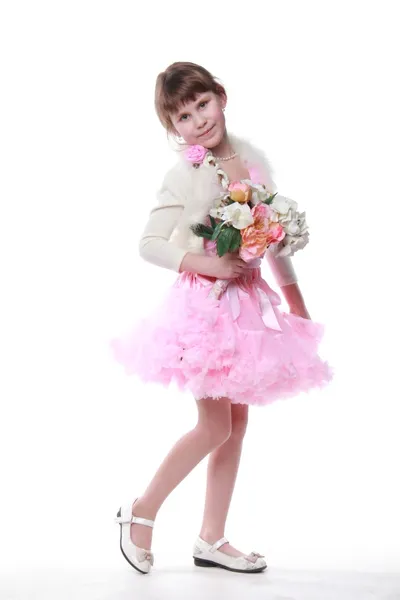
(254, 158)
(197, 189)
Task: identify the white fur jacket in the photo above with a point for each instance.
(185, 198)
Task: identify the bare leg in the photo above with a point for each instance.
(213, 429)
(222, 471)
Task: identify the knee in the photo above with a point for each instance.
(215, 432)
(239, 426)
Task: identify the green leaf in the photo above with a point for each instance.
(236, 240)
(217, 230)
(224, 241)
(270, 199)
(213, 222)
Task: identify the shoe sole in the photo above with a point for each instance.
(201, 562)
(122, 550)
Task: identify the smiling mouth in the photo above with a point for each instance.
(208, 131)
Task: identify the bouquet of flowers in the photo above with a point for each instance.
(248, 219)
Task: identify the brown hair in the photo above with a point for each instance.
(180, 83)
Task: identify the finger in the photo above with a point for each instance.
(240, 262)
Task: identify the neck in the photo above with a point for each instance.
(224, 148)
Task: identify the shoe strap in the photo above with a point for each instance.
(218, 544)
(133, 519)
(141, 521)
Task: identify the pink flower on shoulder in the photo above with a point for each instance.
(195, 154)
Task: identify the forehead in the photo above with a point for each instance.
(189, 104)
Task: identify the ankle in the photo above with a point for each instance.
(143, 509)
(210, 536)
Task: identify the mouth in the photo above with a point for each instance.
(207, 132)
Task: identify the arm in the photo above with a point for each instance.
(154, 244)
(155, 247)
(284, 273)
(282, 267)
(294, 298)
(197, 263)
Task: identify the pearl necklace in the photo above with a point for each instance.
(223, 158)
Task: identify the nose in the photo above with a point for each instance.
(199, 120)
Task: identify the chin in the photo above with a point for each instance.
(214, 140)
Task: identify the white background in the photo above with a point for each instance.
(82, 155)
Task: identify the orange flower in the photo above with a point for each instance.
(256, 237)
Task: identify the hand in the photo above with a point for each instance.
(300, 311)
(228, 266)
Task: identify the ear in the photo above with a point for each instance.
(223, 99)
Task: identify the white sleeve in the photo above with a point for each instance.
(154, 244)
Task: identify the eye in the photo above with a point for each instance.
(203, 104)
(183, 117)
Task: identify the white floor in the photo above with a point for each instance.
(187, 582)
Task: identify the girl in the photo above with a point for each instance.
(231, 352)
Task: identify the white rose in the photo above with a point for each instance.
(301, 221)
(285, 219)
(239, 215)
(294, 223)
(297, 225)
(261, 196)
(259, 192)
(291, 244)
(299, 242)
(282, 205)
(292, 228)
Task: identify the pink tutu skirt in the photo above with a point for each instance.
(241, 346)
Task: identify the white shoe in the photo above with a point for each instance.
(208, 555)
(140, 559)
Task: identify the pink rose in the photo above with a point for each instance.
(238, 185)
(275, 233)
(240, 192)
(195, 154)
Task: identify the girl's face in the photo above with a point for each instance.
(201, 121)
